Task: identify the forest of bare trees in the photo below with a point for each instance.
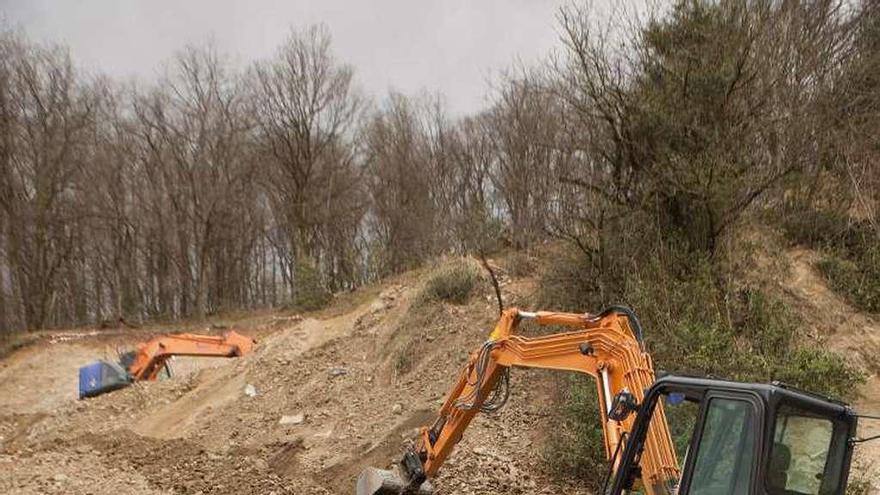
(221, 187)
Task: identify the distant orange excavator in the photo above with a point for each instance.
(150, 360)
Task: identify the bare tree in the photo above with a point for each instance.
(193, 140)
(45, 117)
(305, 107)
(216, 189)
(399, 180)
(526, 131)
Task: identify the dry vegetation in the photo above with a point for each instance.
(217, 188)
(652, 148)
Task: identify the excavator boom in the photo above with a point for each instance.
(606, 346)
(150, 358)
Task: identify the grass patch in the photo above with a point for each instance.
(576, 446)
(858, 280)
(412, 332)
(405, 357)
(852, 260)
(454, 282)
(815, 228)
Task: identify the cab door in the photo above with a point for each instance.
(723, 455)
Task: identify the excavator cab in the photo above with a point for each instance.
(741, 439)
(101, 377)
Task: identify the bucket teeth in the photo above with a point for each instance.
(374, 481)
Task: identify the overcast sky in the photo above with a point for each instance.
(450, 46)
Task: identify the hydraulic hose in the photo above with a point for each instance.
(631, 316)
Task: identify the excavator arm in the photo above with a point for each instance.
(150, 357)
(606, 346)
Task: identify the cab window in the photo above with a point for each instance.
(807, 454)
(725, 455)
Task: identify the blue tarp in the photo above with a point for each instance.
(101, 377)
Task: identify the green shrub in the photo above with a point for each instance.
(814, 228)
(829, 229)
(576, 447)
(694, 324)
(852, 260)
(310, 293)
(819, 371)
(454, 282)
(857, 280)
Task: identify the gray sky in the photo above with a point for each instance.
(450, 46)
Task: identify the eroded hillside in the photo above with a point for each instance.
(335, 391)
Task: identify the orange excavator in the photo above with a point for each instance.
(731, 438)
(149, 360)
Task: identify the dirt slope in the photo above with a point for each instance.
(333, 395)
(331, 398)
(39, 379)
(830, 321)
(851, 333)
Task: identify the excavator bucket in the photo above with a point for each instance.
(374, 481)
